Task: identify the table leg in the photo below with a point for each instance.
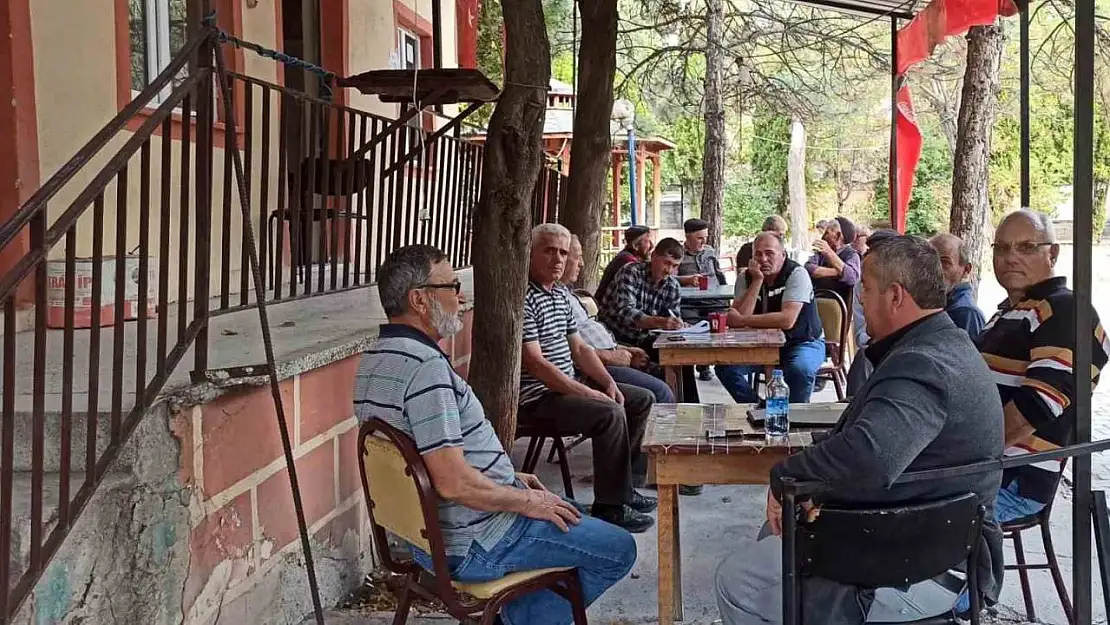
(674, 380)
(670, 557)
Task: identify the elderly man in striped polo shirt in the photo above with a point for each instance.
(554, 401)
(509, 519)
(1028, 346)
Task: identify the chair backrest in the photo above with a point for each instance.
(588, 302)
(895, 546)
(836, 322)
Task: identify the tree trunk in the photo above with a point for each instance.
(971, 170)
(716, 139)
(592, 143)
(796, 182)
(502, 219)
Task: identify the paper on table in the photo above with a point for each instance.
(701, 327)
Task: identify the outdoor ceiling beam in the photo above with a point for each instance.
(851, 7)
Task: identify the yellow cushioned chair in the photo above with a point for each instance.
(836, 320)
(401, 499)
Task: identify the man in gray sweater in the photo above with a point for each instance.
(930, 403)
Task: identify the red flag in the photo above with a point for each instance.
(909, 151)
(916, 42)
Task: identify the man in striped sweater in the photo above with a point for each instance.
(508, 521)
(1028, 345)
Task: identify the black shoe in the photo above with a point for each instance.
(639, 480)
(623, 516)
(689, 491)
(642, 503)
(705, 374)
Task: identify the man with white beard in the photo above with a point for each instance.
(507, 520)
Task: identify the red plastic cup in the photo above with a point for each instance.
(703, 283)
(718, 322)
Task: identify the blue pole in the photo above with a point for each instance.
(632, 171)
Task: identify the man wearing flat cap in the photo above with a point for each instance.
(638, 244)
(835, 265)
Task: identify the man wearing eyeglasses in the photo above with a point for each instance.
(1028, 346)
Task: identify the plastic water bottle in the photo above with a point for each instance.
(777, 422)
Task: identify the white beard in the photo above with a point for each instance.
(446, 324)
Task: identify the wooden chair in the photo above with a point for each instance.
(893, 547)
(1012, 530)
(836, 320)
(401, 499)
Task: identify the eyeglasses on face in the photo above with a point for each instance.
(456, 286)
(1023, 248)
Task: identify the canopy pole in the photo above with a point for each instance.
(1024, 96)
(1083, 181)
(893, 166)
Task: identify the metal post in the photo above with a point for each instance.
(1024, 97)
(893, 123)
(437, 34)
(1083, 183)
(790, 581)
(632, 163)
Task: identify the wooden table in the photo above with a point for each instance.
(732, 347)
(681, 453)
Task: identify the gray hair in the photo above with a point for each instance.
(1041, 222)
(962, 247)
(912, 262)
(549, 229)
(405, 269)
(769, 234)
(774, 222)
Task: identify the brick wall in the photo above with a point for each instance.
(243, 521)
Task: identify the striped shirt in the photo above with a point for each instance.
(1028, 348)
(549, 320)
(407, 381)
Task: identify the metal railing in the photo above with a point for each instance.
(130, 249)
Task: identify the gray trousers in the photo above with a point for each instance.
(749, 592)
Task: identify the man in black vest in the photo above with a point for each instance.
(776, 292)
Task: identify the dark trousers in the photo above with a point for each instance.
(616, 432)
(689, 382)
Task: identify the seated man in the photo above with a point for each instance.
(928, 405)
(836, 264)
(627, 365)
(955, 260)
(508, 520)
(645, 297)
(637, 249)
(780, 290)
(1029, 345)
(553, 401)
(699, 259)
(773, 223)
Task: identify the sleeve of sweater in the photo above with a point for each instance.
(901, 415)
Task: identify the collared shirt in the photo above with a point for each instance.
(407, 381)
(548, 320)
(635, 295)
(704, 262)
(1028, 347)
(593, 332)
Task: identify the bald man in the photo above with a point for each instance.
(956, 263)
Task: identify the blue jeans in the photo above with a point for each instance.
(644, 380)
(1010, 506)
(799, 364)
(602, 553)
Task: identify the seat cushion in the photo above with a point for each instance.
(486, 590)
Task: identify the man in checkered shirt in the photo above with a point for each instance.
(645, 297)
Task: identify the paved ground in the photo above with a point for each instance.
(722, 515)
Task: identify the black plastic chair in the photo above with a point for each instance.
(535, 452)
(1012, 530)
(892, 547)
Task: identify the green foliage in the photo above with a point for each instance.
(770, 150)
(930, 200)
(682, 165)
(747, 203)
(490, 24)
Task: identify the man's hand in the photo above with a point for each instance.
(755, 274)
(774, 513)
(531, 481)
(543, 505)
(672, 323)
(823, 248)
(618, 357)
(691, 280)
(613, 392)
(596, 395)
(639, 358)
